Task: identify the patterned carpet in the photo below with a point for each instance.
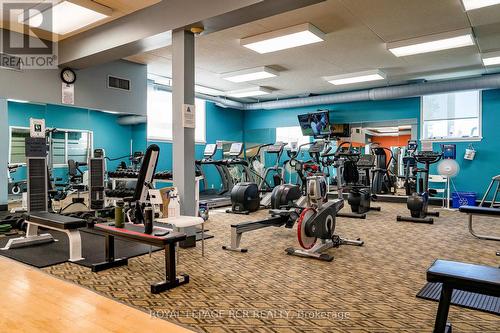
(365, 289)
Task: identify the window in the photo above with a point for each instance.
(17, 140)
(454, 116)
(160, 115)
(291, 134)
(66, 145)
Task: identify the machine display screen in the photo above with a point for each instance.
(340, 130)
(315, 124)
(210, 150)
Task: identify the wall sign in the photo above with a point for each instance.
(37, 128)
(188, 116)
(68, 94)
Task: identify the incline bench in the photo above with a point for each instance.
(66, 224)
(460, 276)
(486, 211)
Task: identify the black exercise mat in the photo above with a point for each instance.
(432, 291)
(93, 247)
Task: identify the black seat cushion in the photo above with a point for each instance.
(469, 277)
(56, 221)
(480, 210)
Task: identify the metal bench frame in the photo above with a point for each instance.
(33, 238)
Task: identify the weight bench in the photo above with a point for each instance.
(66, 224)
(486, 211)
(460, 276)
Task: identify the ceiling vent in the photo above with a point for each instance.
(10, 62)
(118, 83)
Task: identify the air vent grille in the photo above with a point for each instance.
(118, 83)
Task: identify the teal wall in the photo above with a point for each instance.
(340, 113)
(107, 133)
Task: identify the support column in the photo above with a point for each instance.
(4, 153)
(183, 138)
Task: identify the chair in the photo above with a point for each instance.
(438, 179)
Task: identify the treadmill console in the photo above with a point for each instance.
(210, 150)
(236, 149)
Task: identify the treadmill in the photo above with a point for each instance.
(214, 198)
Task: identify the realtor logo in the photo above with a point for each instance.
(26, 36)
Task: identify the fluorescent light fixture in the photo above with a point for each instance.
(433, 43)
(251, 74)
(475, 4)
(249, 92)
(67, 16)
(358, 77)
(208, 91)
(282, 39)
(491, 58)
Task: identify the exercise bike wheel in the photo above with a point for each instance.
(305, 241)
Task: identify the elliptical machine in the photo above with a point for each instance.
(383, 181)
(418, 202)
(360, 196)
(317, 221)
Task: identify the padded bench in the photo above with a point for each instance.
(66, 224)
(486, 211)
(460, 276)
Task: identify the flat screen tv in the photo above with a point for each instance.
(315, 124)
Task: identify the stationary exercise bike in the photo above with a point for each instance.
(418, 202)
(317, 221)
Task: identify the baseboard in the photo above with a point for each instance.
(4, 208)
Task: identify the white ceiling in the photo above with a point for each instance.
(356, 33)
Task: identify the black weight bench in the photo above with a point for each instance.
(485, 211)
(455, 275)
(66, 224)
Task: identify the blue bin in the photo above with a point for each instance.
(463, 199)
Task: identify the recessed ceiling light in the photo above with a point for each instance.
(433, 43)
(282, 39)
(491, 58)
(358, 77)
(251, 74)
(475, 4)
(67, 16)
(208, 91)
(249, 92)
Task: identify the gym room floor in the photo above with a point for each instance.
(372, 287)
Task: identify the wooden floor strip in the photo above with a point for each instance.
(33, 301)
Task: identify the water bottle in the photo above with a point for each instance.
(148, 220)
